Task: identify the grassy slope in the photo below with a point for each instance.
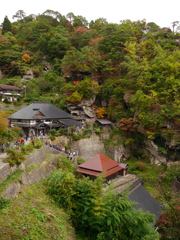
(32, 215)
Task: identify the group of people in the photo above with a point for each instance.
(70, 154)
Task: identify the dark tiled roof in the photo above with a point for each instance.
(145, 201)
(124, 165)
(104, 121)
(99, 162)
(69, 122)
(48, 110)
(9, 87)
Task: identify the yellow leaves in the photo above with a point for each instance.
(153, 93)
(75, 97)
(150, 135)
(26, 58)
(3, 124)
(98, 206)
(141, 116)
(131, 47)
(101, 112)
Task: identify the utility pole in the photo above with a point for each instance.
(24, 90)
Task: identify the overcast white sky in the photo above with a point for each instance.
(162, 12)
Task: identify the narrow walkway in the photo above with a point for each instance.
(2, 157)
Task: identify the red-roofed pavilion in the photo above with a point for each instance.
(101, 163)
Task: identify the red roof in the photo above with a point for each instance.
(99, 163)
(10, 87)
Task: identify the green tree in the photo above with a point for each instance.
(20, 14)
(6, 26)
(100, 214)
(169, 222)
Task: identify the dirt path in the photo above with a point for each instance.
(2, 157)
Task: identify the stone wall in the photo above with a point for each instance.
(5, 107)
(87, 148)
(4, 171)
(35, 168)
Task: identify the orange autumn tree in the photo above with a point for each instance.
(3, 125)
(26, 58)
(101, 112)
(127, 124)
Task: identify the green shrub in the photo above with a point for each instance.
(80, 160)
(52, 138)
(67, 147)
(100, 214)
(26, 149)
(4, 203)
(14, 157)
(52, 132)
(162, 150)
(62, 131)
(37, 143)
(87, 131)
(132, 169)
(141, 166)
(76, 137)
(97, 130)
(65, 164)
(6, 101)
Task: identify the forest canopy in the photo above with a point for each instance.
(132, 67)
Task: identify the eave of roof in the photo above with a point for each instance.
(104, 121)
(69, 122)
(99, 162)
(10, 87)
(97, 173)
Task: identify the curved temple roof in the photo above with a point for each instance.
(40, 110)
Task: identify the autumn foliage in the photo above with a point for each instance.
(26, 58)
(127, 124)
(101, 112)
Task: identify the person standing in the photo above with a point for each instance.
(3, 148)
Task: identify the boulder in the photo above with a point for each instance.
(12, 190)
(89, 112)
(152, 152)
(28, 76)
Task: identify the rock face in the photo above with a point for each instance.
(4, 171)
(12, 190)
(152, 152)
(5, 107)
(47, 66)
(35, 168)
(83, 109)
(28, 76)
(39, 173)
(87, 148)
(119, 153)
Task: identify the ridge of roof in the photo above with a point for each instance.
(9, 87)
(47, 109)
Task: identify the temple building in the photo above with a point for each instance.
(101, 163)
(40, 117)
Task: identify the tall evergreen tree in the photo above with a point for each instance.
(6, 26)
